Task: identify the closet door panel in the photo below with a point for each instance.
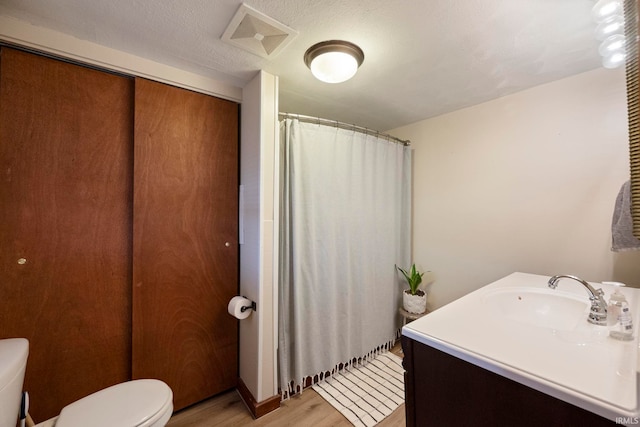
(185, 264)
(65, 225)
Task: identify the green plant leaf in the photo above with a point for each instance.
(413, 277)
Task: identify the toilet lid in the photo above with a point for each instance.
(13, 359)
(130, 404)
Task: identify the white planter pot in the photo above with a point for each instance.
(416, 304)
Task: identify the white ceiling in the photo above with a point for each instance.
(422, 57)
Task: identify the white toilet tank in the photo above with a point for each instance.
(13, 364)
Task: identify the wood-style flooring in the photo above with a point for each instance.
(306, 409)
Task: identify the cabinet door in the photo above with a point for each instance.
(65, 225)
(185, 263)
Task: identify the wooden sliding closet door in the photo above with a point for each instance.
(185, 263)
(65, 225)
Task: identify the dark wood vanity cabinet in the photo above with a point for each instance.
(442, 390)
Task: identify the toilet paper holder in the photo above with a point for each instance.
(248, 307)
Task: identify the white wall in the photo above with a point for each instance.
(524, 183)
(257, 252)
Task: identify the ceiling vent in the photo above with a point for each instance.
(257, 33)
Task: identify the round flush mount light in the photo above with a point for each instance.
(333, 61)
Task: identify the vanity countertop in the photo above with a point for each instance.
(575, 362)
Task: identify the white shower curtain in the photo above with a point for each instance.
(345, 223)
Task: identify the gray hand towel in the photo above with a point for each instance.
(622, 225)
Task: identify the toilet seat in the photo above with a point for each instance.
(138, 403)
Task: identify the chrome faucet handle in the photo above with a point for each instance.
(598, 311)
(598, 314)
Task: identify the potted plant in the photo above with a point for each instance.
(414, 300)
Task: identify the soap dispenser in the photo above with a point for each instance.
(619, 317)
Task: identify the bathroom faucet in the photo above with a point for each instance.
(598, 313)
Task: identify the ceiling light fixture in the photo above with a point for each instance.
(334, 61)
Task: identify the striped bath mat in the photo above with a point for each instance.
(366, 394)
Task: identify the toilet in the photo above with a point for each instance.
(137, 403)
(13, 364)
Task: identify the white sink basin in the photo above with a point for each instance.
(538, 307)
(520, 328)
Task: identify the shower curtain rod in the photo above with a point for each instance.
(347, 126)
